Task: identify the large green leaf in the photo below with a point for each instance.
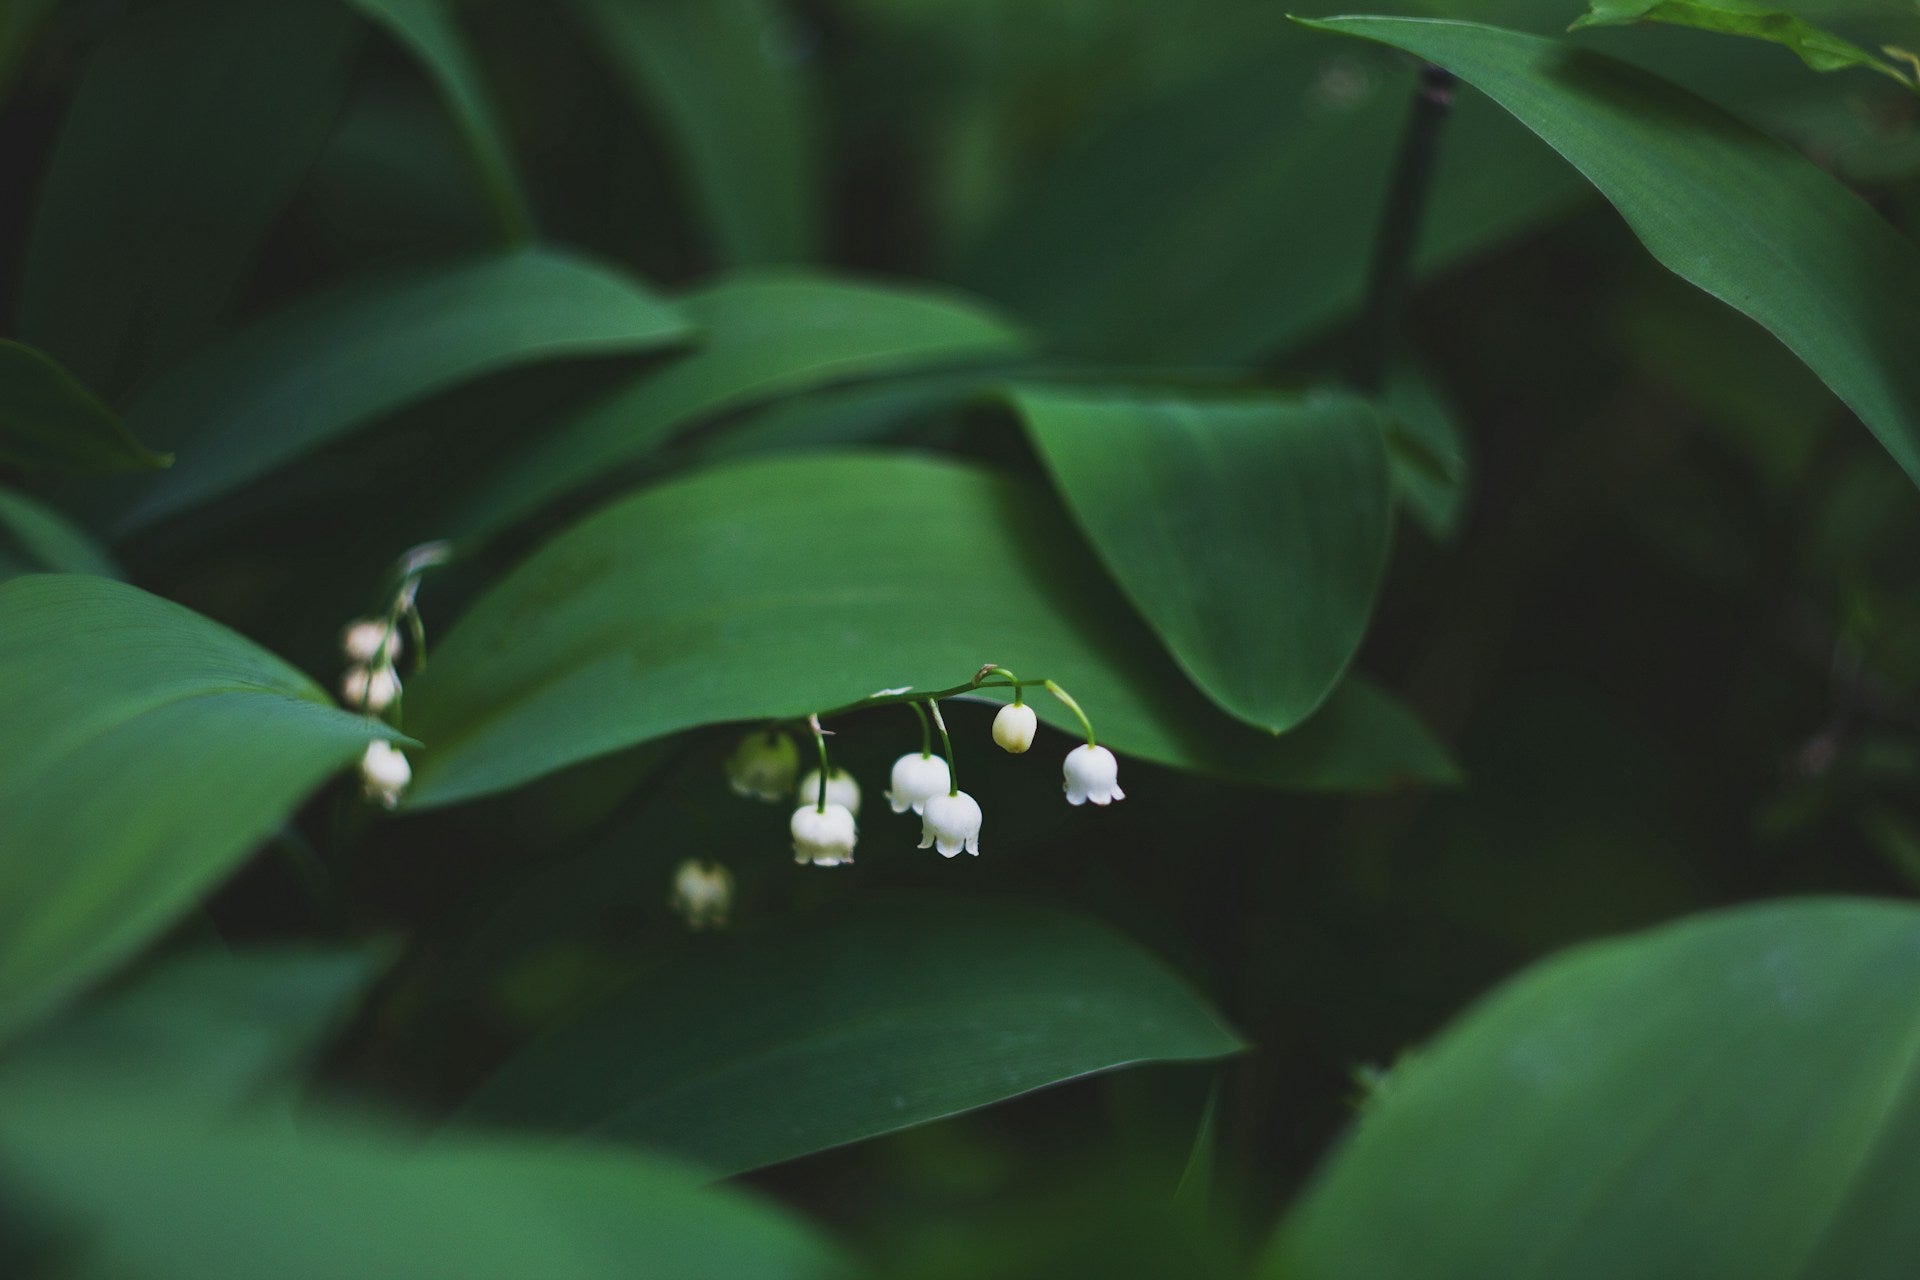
(429, 29)
(49, 422)
(37, 539)
(761, 336)
(334, 362)
(776, 1046)
(1822, 50)
(144, 751)
(1250, 531)
(193, 125)
(1734, 1095)
(724, 80)
(148, 1191)
(782, 586)
(1730, 209)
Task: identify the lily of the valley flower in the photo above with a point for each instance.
(823, 837)
(1014, 727)
(384, 773)
(916, 779)
(702, 893)
(1092, 774)
(841, 790)
(371, 689)
(764, 766)
(363, 640)
(951, 823)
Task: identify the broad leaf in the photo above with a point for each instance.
(761, 336)
(1717, 202)
(49, 422)
(194, 123)
(37, 539)
(149, 1191)
(774, 1047)
(1733, 1095)
(428, 28)
(774, 588)
(144, 751)
(337, 361)
(1821, 50)
(722, 79)
(1251, 531)
(1426, 450)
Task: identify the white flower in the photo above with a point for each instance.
(1014, 727)
(703, 893)
(841, 790)
(361, 641)
(373, 689)
(764, 766)
(384, 773)
(823, 837)
(1092, 774)
(952, 823)
(915, 778)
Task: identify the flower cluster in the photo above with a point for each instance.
(702, 894)
(823, 826)
(371, 683)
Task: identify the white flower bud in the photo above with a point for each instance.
(1092, 774)
(362, 639)
(372, 690)
(841, 790)
(915, 779)
(951, 823)
(384, 773)
(702, 893)
(1014, 727)
(824, 838)
(764, 766)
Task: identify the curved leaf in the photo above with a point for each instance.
(38, 539)
(194, 123)
(1820, 50)
(429, 29)
(844, 1029)
(1251, 532)
(49, 422)
(776, 587)
(722, 76)
(150, 1192)
(761, 336)
(334, 362)
(1733, 1095)
(144, 751)
(1717, 202)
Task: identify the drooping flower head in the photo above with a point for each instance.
(763, 766)
(951, 823)
(702, 893)
(384, 773)
(363, 640)
(1092, 774)
(841, 790)
(370, 689)
(916, 779)
(824, 837)
(1014, 727)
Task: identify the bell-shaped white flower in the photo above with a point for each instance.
(841, 790)
(823, 837)
(764, 766)
(370, 688)
(951, 823)
(916, 779)
(1014, 727)
(362, 641)
(384, 773)
(702, 893)
(1092, 774)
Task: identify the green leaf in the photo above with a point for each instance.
(722, 76)
(334, 362)
(37, 539)
(428, 28)
(771, 1047)
(150, 1192)
(1426, 450)
(194, 123)
(49, 422)
(776, 587)
(1820, 50)
(761, 336)
(1733, 1095)
(144, 751)
(217, 1027)
(1250, 531)
(1719, 203)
